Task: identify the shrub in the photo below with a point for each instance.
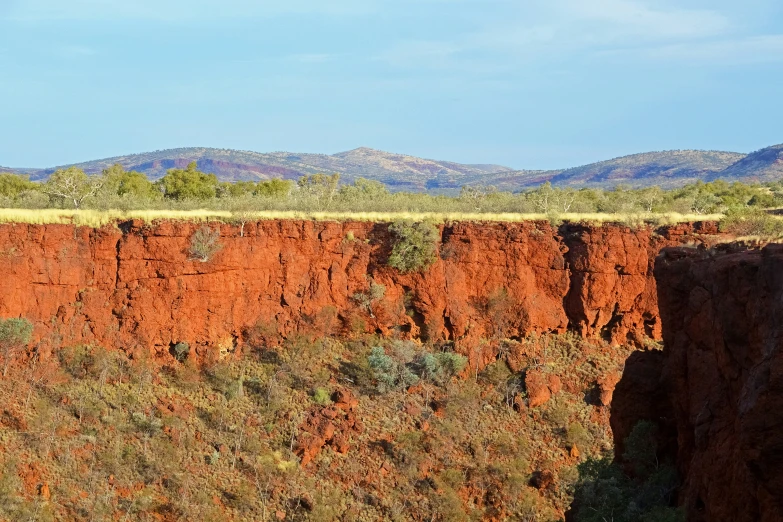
(747, 221)
(204, 244)
(415, 245)
(14, 335)
(390, 372)
(321, 396)
(373, 294)
(440, 367)
(181, 351)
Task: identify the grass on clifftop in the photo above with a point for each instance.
(98, 218)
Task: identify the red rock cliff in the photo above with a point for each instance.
(134, 287)
(722, 369)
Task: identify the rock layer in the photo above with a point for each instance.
(718, 385)
(135, 287)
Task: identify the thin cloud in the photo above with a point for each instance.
(733, 51)
(539, 33)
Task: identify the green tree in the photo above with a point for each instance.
(415, 245)
(72, 186)
(131, 183)
(363, 190)
(11, 185)
(274, 188)
(14, 335)
(236, 189)
(189, 183)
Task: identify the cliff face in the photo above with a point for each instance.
(722, 372)
(134, 287)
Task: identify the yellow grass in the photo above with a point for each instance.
(95, 218)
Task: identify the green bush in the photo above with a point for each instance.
(751, 221)
(321, 396)
(14, 335)
(415, 245)
(440, 367)
(390, 372)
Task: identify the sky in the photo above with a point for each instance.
(533, 84)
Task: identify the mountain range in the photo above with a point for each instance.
(409, 173)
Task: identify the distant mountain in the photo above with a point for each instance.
(667, 169)
(762, 165)
(400, 172)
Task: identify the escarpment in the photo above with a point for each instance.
(716, 391)
(135, 287)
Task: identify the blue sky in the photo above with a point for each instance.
(528, 84)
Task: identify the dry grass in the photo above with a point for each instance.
(95, 218)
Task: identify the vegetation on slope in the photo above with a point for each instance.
(311, 428)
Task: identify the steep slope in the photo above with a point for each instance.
(763, 165)
(139, 288)
(716, 391)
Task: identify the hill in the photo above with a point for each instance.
(398, 171)
(763, 165)
(401, 172)
(667, 169)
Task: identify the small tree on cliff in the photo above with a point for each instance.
(14, 336)
(415, 245)
(204, 244)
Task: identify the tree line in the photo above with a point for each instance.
(116, 188)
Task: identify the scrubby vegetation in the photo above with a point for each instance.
(649, 496)
(190, 189)
(308, 428)
(414, 245)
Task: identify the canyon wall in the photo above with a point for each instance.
(134, 287)
(722, 318)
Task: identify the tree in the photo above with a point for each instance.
(14, 335)
(274, 188)
(364, 190)
(11, 185)
(121, 182)
(73, 186)
(189, 183)
(236, 189)
(321, 187)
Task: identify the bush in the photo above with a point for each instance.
(204, 244)
(415, 245)
(604, 492)
(751, 221)
(321, 396)
(440, 367)
(14, 335)
(373, 294)
(390, 372)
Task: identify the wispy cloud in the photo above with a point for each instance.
(731, 51)
(540, 32)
